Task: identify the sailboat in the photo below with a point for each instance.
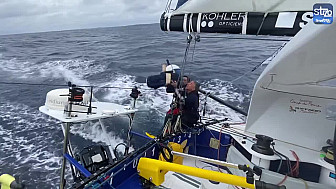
(287, 141)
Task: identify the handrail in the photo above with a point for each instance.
(154, 170)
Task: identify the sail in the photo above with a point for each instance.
(292, 95)
(256, 17)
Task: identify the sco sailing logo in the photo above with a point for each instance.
(323, 13)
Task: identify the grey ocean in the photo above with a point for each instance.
(31, 143)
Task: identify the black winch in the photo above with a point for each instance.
(263, 145)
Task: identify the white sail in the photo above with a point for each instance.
(292, 95)
(208, 6)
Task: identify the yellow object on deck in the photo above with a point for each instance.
(6, 180)
(177, 148)
(150, 136)
(154, 170)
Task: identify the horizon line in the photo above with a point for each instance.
(74, 29)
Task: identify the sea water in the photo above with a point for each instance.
(31, 142)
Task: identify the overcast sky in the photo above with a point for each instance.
(27, 16)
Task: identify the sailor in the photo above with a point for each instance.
(190, 114)
(8, 182)
(185, 81)
(178, 104)
(175, 85)
(189, 108)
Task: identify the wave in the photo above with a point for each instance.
(75, 70)
(33, 141)
(29, 142)
(159, 100)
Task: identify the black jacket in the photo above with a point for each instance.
(190, 113)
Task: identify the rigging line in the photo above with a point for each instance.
(111, 87)
(286, 92)
(193, 52)
(224, 145)
(237, 134)
(59, 85)
(262, 23)
(249, 138)
(241, 130)
(32, 84)
(168, 5)
(280, 164)
(245, 38)
(257, 66)
(184, 62)
(279, 140)
(218, 150)
(228, 132)
(289, 166)
(283, 180)
(313, 82)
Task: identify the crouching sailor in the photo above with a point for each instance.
(8, 182)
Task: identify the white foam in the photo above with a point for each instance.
(28, 138)
(22, 142)
(151, 99)
(40, 151)
(228, 92)
(77, 70)
(92, 131)
(159, 100)
(71, 70)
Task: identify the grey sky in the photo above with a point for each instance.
(22, 16)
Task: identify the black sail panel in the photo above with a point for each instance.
(253, 23)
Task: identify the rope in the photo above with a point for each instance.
(32, 84)
(193, 52)
(287, 92)
(283, 180)
(289, 166)
(219, 143)
(257, 66)
(184, 61)
(280, 141)
(295, 171)
(305, 183)
(59, 85)
(262, 23)
(168, 5)
(280, 164)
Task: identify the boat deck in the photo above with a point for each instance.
(177, 180)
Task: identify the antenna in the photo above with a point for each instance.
(90, 105)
